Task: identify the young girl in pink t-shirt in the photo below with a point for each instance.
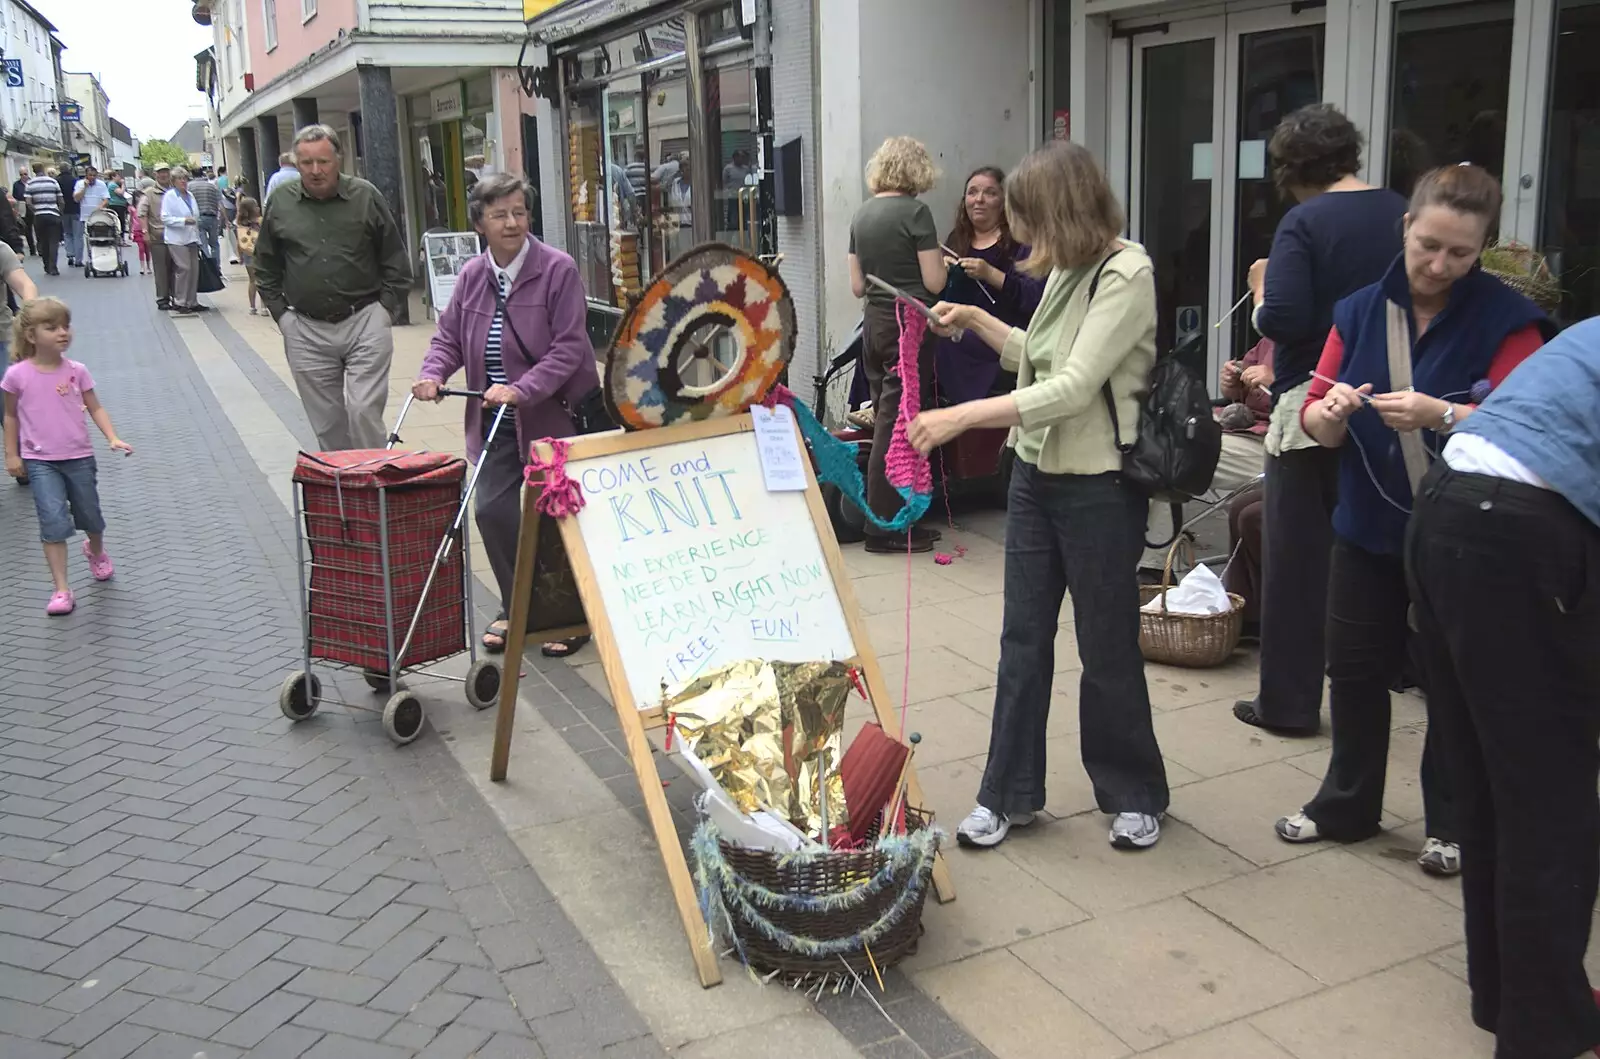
(46, 396)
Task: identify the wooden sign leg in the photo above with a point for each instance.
(516, 635)
(672, 858)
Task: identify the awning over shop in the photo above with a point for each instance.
(573, 18)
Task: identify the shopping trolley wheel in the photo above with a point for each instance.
(300, 695)
(483, 684)
(378, 681)
(403, 717)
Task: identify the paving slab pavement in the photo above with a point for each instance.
(1221, 941)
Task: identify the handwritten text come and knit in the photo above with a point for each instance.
(700, 565)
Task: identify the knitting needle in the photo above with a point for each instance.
(979, 282)
(1334, 382)
(1230, 312)
(900, 785)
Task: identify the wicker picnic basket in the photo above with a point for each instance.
(1525, 271)
(1196, 641)
(829, 907)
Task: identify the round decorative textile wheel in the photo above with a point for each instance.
(708, 338)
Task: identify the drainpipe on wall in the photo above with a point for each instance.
(763, 34)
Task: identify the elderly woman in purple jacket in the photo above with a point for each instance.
(515, 322)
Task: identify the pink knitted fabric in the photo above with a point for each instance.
(560, 496)
(903, 465)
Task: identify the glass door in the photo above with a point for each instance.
(1205, 96)
(1277, 71)
(1569, 229)
(1177, 110)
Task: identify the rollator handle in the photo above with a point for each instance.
(445, 391)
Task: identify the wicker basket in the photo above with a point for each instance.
(1196, 641)
(1525, 271)
(831, 874)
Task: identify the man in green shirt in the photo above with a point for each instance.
(332, 269)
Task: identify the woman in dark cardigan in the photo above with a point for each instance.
(1453, 329)
(983, 273)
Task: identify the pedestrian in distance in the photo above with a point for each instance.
(1074, 523)
(71, 216)
(46, 398)
(155, 233)
(46, 202)
(180, 230)
(19, 288)
(247, 229)
(19, 195)
(334, 273)
(141, 240)
(208, 198)
(287, 171)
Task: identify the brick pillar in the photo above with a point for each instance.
(305, 112)
(269, 147)
(380, 145)
(248, 174)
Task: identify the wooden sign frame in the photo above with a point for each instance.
(634, 721)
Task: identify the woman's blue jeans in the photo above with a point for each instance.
(1081, 534)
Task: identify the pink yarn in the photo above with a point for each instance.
(903, 465)
(559, 495)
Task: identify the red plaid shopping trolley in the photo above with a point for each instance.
(383, 544)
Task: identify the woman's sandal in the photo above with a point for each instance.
(494, 637)
(564, 648)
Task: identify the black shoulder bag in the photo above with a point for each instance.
(1174, 453)
(589, 413)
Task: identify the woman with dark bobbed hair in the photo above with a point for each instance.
(1341, 236)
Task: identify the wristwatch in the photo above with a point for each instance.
(1447, 422)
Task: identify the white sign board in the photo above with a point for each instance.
(445, 255)
(699, 565)
(448, 103)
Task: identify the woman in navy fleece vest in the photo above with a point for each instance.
(1460, 327)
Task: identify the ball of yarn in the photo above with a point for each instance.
(1237, 416)
(1480, 391)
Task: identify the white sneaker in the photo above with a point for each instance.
(1135, 831)
(1297, 828)
(1442, 859)
(983, 828)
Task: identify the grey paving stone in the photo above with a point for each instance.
(456, 1042)
(165, 835)
(510, 1046)
(262, 1019)
(331, 985)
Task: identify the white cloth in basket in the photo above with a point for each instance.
(1200, 592)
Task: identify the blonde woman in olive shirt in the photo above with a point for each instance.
(1072, 523)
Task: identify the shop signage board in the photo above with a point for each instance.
(14, 73)
(445, 255)
(686, 562)
(448, 102)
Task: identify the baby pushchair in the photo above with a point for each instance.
(102, 237)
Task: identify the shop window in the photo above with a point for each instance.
(1448, 88)
(720, 23)
(732, 127)
(1058, 70)
(1570, 225)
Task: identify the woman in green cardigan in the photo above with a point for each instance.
(1073, 524)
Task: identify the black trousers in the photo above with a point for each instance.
(881, 360)
(47, 227)
(1507, 578)
(1367, 639)
(1302, 487)
(27, 232)
(1080, 534)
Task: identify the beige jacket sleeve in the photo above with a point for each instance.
(1120, 317)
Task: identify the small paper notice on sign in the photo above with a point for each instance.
(782, 466)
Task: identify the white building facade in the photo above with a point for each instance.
(1177, 98)
(90, 135)
(30, 121)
